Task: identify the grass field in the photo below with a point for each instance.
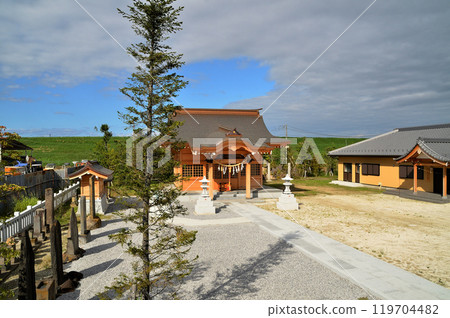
(59, 150)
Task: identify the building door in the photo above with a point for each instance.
(448, 181)
(348, 172)
(357, 172)
(438, 178)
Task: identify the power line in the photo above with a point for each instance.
(328, 135)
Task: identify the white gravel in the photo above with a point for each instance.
(237, 260)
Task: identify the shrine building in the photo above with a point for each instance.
(226, 146)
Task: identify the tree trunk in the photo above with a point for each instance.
(146, 244)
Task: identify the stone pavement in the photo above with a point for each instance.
(238, 259)
(249, 253)
(377, 277)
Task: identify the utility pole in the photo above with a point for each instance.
(289, 164)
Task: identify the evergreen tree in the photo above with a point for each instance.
(163, 247)
(102, 151)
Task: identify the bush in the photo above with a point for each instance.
(21, 204)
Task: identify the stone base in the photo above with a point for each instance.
(67, 258)
(287, 202)
(93, 223)
(84, 238)
(46, 290)
(101, 205)
(204, 206)
(71, 282)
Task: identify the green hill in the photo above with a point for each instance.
(59, 150)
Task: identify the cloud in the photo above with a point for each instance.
(390, 69)
(59, 42)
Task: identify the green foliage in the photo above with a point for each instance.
(309, 168)
(102, 148)
(7, 253)
(162, 250)
(22, 203)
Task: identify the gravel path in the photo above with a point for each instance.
(237, 260)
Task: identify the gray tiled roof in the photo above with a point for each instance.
(218, 125)
(395, 143)
(437, 148)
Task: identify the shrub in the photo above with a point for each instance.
(21, 204)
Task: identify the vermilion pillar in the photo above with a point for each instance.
(415, 178)
(248, 193)
(211, 179)
(444, 185)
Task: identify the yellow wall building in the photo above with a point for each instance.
(413, 158)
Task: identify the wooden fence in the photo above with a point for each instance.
(35, 183)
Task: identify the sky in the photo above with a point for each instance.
(319, 67)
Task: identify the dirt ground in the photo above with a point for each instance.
(412, 235)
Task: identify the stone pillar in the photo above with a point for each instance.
(42, 213)
(444, 185)
(211, 178)
(92, 195)
(49, 209)
(269, 173)
(72, 241)
(83, 228)
(289, 168)
(27, 283)
(248, 191)
(37, 225)
(56, 253)
(73, 251)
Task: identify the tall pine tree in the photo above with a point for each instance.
(161, 247)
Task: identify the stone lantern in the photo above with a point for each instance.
(204, 204)
(287, 199)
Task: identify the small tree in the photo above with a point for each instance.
(163, 247)
(6, 252)
(102, 149)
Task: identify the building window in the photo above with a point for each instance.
(370, 169)
(243, 170)
(255, 170)
(218, 174)
(407, 172)
(192, 171)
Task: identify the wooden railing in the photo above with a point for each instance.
(24, 220)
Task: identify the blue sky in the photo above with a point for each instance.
(60, 72)
(33, 108)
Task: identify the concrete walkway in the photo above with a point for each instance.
(377, 277)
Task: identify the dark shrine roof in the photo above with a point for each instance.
(222, 123)
(95, 167)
